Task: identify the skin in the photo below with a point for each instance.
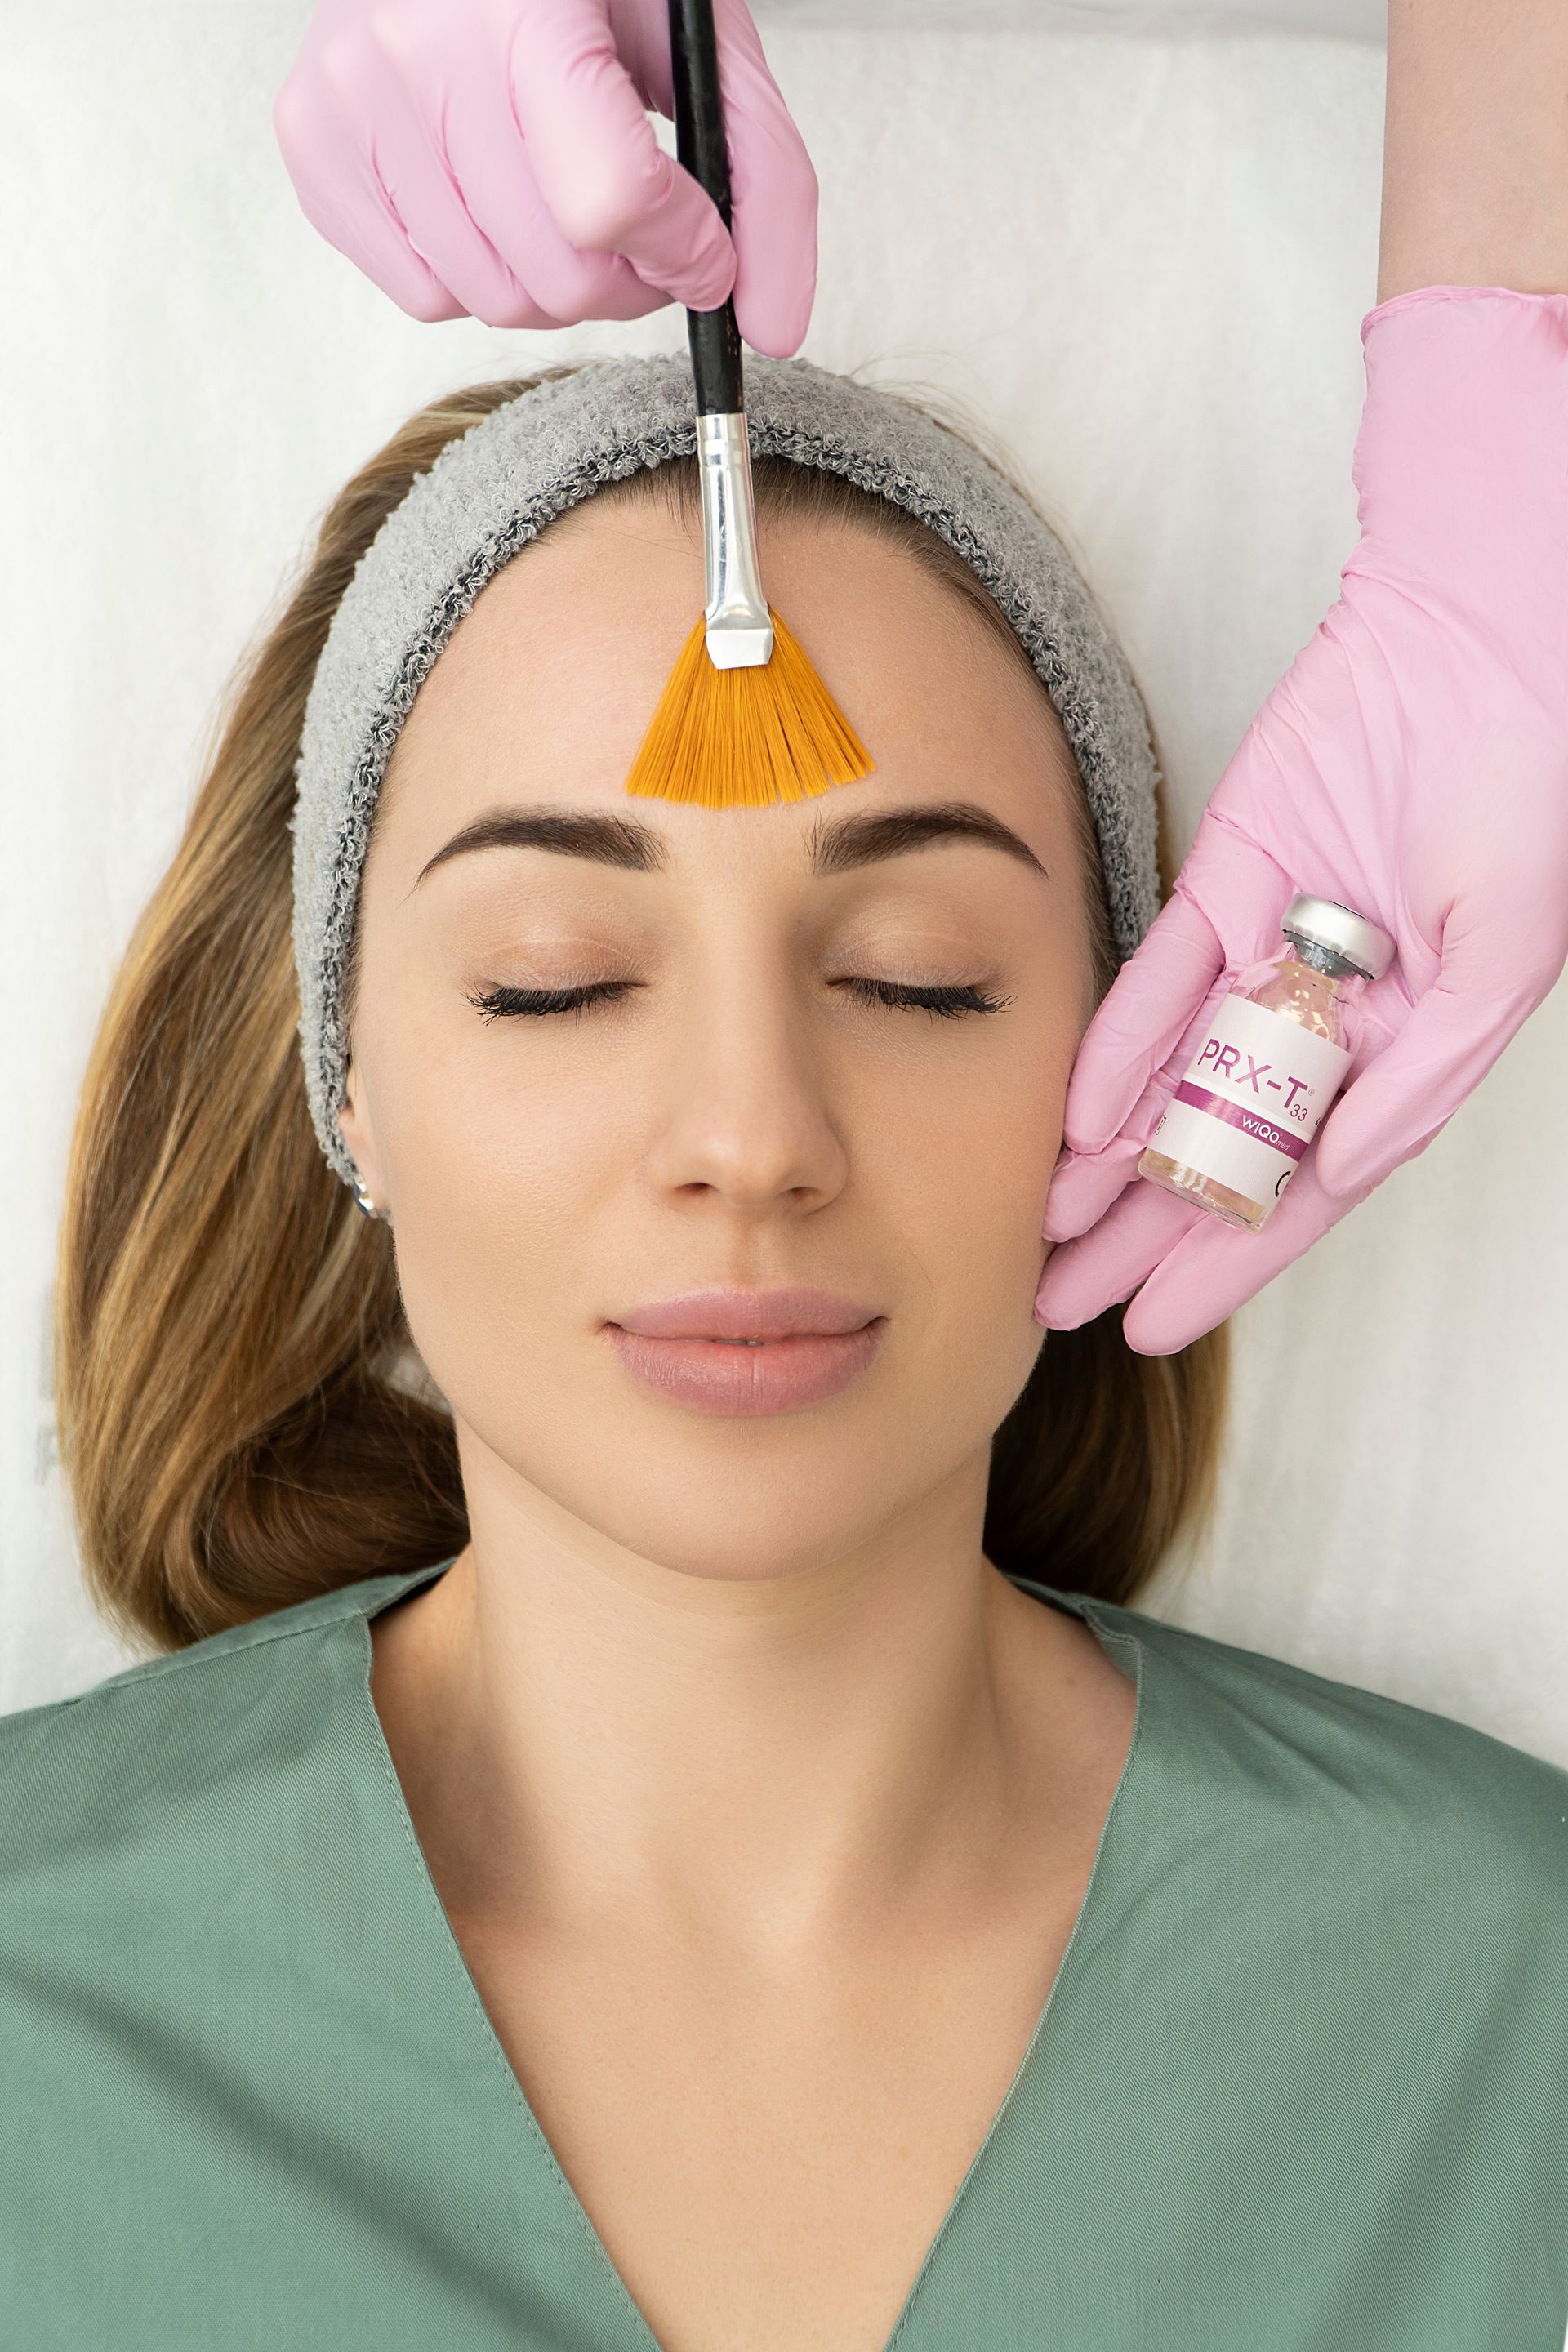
(726, 1727)
(1475, 152)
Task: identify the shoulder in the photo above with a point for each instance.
(1356, 1781)
(165, 1738)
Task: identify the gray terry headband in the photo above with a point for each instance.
(496, 486)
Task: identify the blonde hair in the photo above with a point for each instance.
(242, 1416)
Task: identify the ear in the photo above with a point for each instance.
(355, 1128)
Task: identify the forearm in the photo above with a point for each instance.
(1475, 165)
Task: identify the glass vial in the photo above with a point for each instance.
(1276, 1055)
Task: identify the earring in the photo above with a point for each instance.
(362, 1201)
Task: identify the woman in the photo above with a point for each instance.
(622, 1844)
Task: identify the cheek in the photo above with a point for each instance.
(966, 1185)
(470, 1112)
(960, 1158)
(504, 1163)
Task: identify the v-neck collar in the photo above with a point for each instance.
(378, 1593)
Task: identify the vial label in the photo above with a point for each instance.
(1252, 1098)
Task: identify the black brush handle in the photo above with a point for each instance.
(699, 143)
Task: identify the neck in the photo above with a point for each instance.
(586, 1736)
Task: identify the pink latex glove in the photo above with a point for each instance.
(1412, 763)
(495, 157)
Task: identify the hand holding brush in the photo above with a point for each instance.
(745, 719)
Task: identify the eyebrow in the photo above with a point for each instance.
(852, 841)
(837, 847)
(607, 840)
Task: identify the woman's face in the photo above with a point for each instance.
(750, 1095)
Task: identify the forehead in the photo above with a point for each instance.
(547, 685)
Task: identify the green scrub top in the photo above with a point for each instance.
(1300, 2084)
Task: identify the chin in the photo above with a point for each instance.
(742, 1534)
(739, 1521)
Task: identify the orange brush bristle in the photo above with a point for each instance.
(743, 737)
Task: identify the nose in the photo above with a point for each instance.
(748, 1116)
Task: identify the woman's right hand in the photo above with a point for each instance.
(495, 158)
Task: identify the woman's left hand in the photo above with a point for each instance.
(1412, 763)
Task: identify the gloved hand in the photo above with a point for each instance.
(495, 157)
(1412, 763)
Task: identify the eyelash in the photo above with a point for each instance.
(948, 1002)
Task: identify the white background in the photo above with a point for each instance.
(1142, 254)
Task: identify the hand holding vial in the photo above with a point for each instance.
(1412, 764)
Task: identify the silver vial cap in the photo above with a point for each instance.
(1326, 924)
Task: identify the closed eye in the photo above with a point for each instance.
(498, 1002)
(946, 1000)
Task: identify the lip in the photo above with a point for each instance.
(807, 1346)
(732, 1314)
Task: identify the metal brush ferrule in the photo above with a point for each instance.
(740, 630)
